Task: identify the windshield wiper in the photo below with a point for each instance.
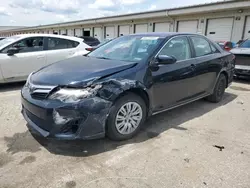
(102, 58)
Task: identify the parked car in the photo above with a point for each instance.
(22, 54)
(92, 48)
(242, 54)
(112, 90)
(91, 41)
(226, 45)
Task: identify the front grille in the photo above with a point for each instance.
(242, 59)
(39, 96)
(39, 92)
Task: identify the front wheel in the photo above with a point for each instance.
(219, 90)
(126, 117)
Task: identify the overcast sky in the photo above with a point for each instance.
(39, 12)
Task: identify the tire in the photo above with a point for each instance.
(219, 90)
(117, 110)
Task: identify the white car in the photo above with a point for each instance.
(242, 58)
(22, 54)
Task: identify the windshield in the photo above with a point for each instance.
(245, 44)
(8, 40)
(127, 48)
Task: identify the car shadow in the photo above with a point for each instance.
(11, 86)
(153, 128)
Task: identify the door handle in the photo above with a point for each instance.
(193, 66)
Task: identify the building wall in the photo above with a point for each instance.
(202, 18)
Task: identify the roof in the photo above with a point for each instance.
(164, 34)
(51, 35)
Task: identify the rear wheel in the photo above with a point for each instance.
(126, 117)
(219, 90)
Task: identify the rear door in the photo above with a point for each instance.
(208, 64)
(174, 83)
(58, 49)
(30, 57)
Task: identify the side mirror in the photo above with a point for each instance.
(12, 51)
(164, 59)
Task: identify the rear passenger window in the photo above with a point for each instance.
(58, 43)
(201, 46)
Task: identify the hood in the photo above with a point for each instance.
(79, 70)
(240, 51)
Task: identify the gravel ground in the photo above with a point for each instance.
(197, 145)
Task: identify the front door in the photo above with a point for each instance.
(174, 83)
(30, 57)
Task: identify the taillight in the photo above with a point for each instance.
(89, 49)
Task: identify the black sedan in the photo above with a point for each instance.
(112, 90)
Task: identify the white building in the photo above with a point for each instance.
(226, 20)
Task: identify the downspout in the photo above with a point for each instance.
(173, 20)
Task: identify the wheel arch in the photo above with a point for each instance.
(226, 75)
(137, 91)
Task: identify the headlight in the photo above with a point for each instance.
(28, 80)
(69, 95)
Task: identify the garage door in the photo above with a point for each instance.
(78, 32)
(220, 29)
(141, 28)
(70, 32)
(98, 33)
(190, 26)
(161, 27)
(55, 32)
(247, 28)
(124, 30)
(109, 32)
(63, 32)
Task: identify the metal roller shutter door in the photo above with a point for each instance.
(124, 30)
(141, 28)
(189, 26)
(98, 33)
(70, 32)
(247, 28)
(63, 32)
(109, 32)
(78, 32)
(220, 29)
(161, 27)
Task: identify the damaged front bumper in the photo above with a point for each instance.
(55, 119)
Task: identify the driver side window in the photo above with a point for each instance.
(177, 47)
(33, 44)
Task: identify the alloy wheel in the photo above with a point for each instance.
(128, 118)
